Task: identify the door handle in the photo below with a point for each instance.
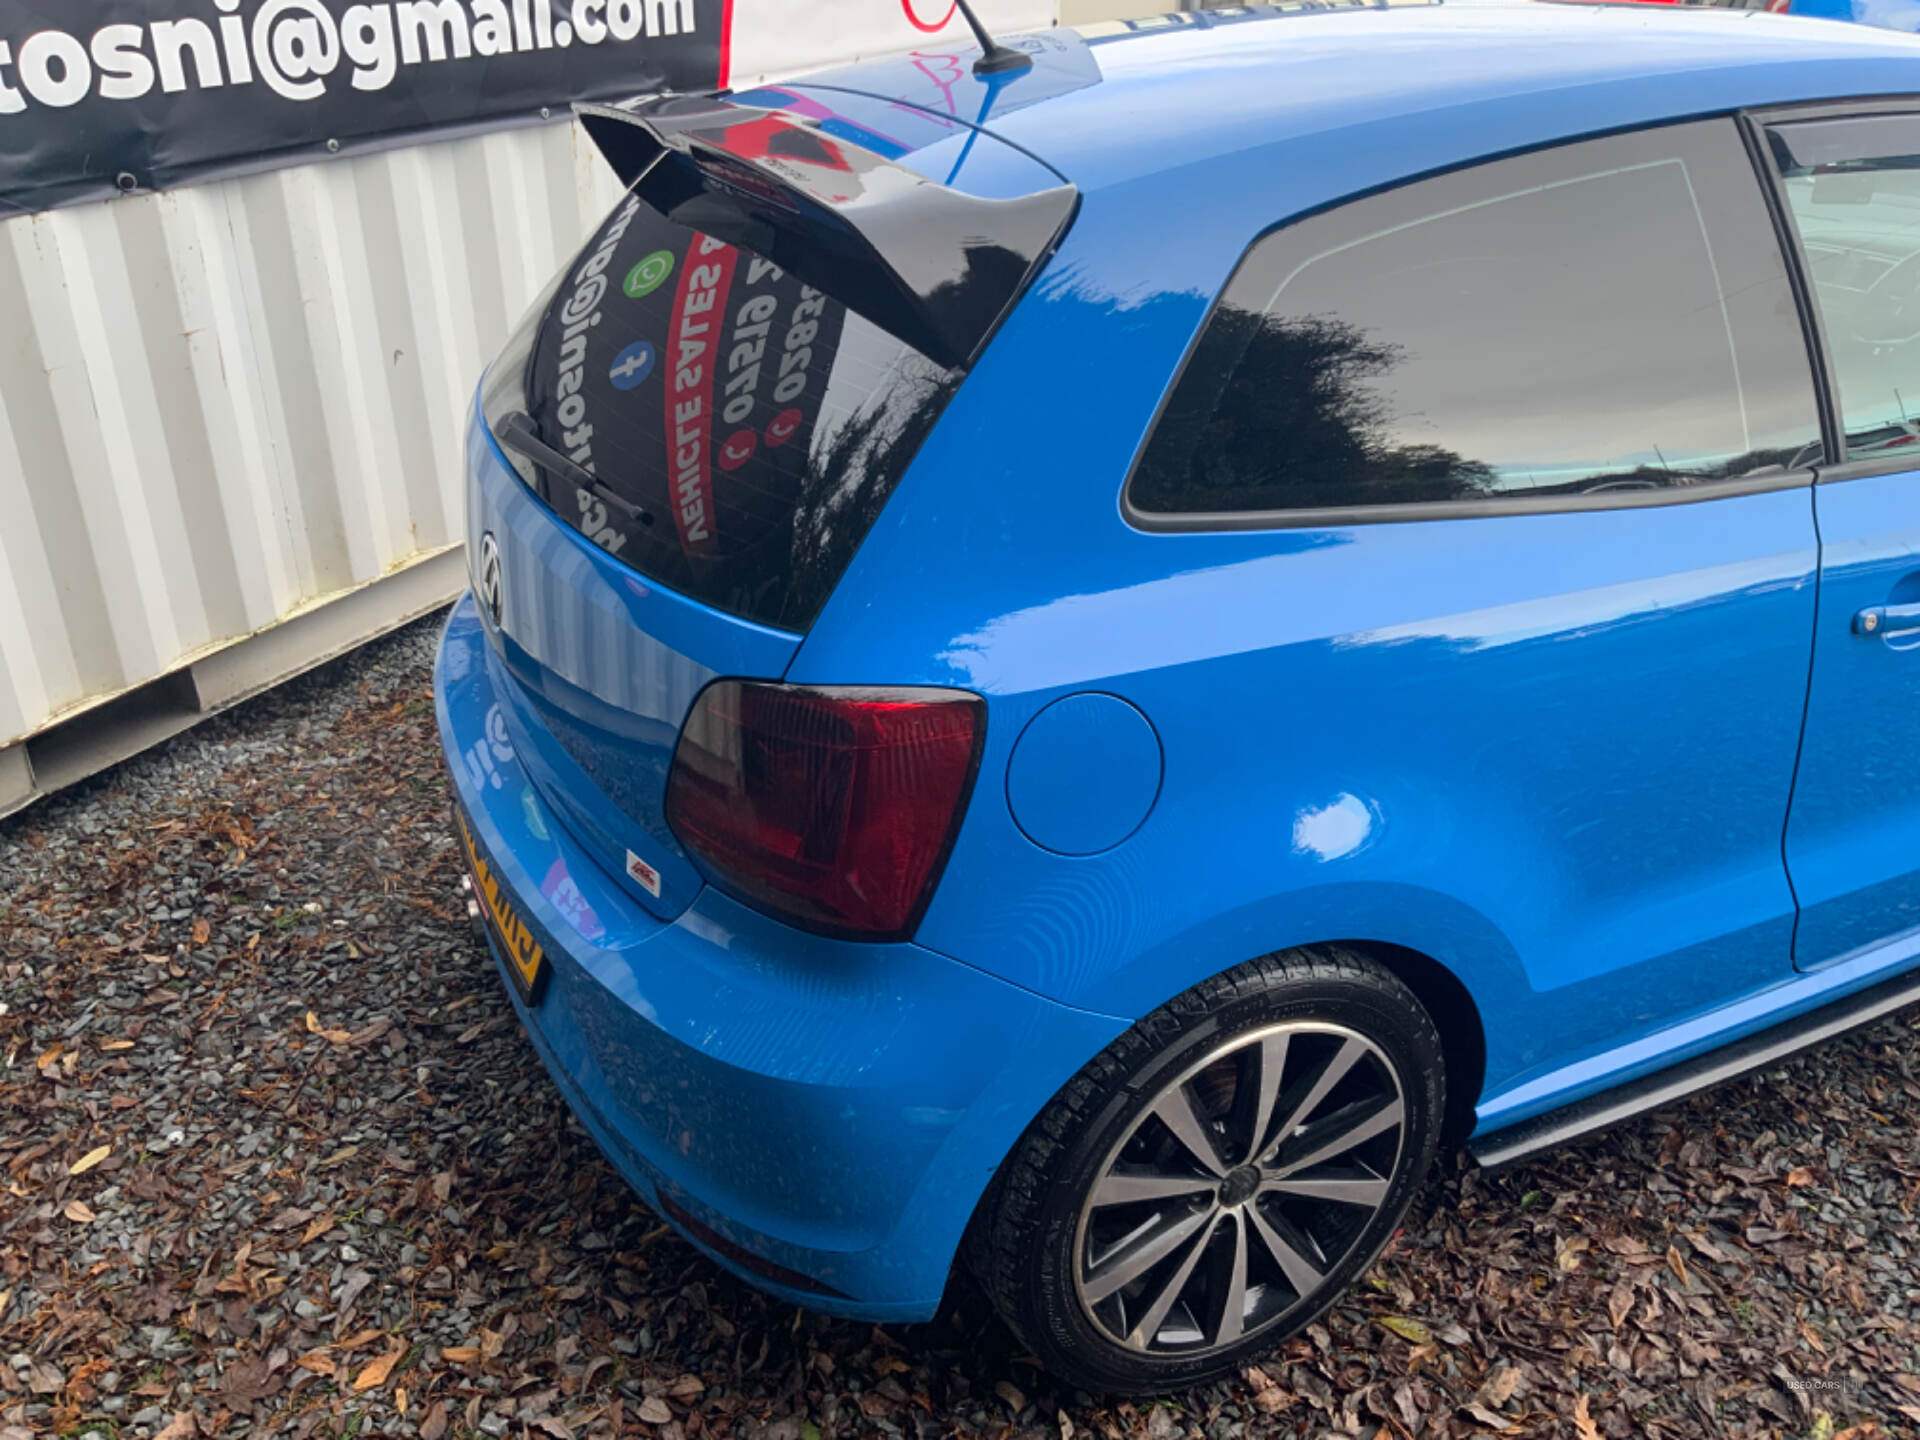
(1887, 621)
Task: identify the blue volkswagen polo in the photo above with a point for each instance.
(1076, 663)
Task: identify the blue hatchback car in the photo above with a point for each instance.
(1076, 666)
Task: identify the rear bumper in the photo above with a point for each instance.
(791, 1103)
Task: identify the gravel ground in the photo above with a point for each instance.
(278, 1161)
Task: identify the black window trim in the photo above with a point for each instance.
(1336, 516)
(1754, 123)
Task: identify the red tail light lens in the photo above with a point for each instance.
(832, 807)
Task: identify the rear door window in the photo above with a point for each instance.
(1611, 318)
(1853, 185)
(760, 425)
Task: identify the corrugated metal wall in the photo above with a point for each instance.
(226, 403)
(240, 403)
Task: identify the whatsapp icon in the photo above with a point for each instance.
(645, 277)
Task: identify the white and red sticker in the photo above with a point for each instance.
(643, 875)
(699, 313)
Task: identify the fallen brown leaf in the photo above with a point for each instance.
(182, 1427)
(1620, 1304)
(1583, 1425)
(372, 1033)
(460, 1354)
(1704, 1247)
(248, 1380)
(314, 1027)
(654, 1411)
(433, 1424)
(1486, 1417)
(1498, 1388)
(1407, 1329)
(379, 1369)
(77, 1211)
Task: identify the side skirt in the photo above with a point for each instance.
(1650, 1092)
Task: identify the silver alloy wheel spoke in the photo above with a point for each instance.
(1231, 1198)
(1347, 1189)
(1120, 1188)
(1233, 1307)
(1273, 1061)
(1175, 1109)
(1340, 1132)
(1301, 1273)
(1149, 1323)
(1335, 1071)
(1142, 1255)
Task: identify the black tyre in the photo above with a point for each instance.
(1216, 1177)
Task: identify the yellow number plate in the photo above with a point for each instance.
(526, 961)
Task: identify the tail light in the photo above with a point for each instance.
(834, 808)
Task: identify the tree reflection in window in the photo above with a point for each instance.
(1312, 413)
(1608, 318)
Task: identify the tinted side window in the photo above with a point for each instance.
(1854, 188)
(1609, 316)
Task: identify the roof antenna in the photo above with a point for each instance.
(995, 58)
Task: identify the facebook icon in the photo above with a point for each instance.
(631, 366)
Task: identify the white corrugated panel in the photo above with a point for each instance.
(231, 403)
(223, 404)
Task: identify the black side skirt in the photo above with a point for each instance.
(1557, 1127)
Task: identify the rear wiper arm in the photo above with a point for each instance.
(516, 431)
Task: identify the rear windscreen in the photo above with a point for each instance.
(758, 424)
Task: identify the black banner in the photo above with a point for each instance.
(99, 97)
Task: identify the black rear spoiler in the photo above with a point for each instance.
(930, 265)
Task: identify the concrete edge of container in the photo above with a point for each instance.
(99, 736)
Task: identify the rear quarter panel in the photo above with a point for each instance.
(1337, 708)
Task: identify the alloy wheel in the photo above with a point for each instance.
(1237, 1192)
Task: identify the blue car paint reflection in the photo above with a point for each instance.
(1554, 753)
(1887, 14)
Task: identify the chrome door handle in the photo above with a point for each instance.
(1885, 621)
